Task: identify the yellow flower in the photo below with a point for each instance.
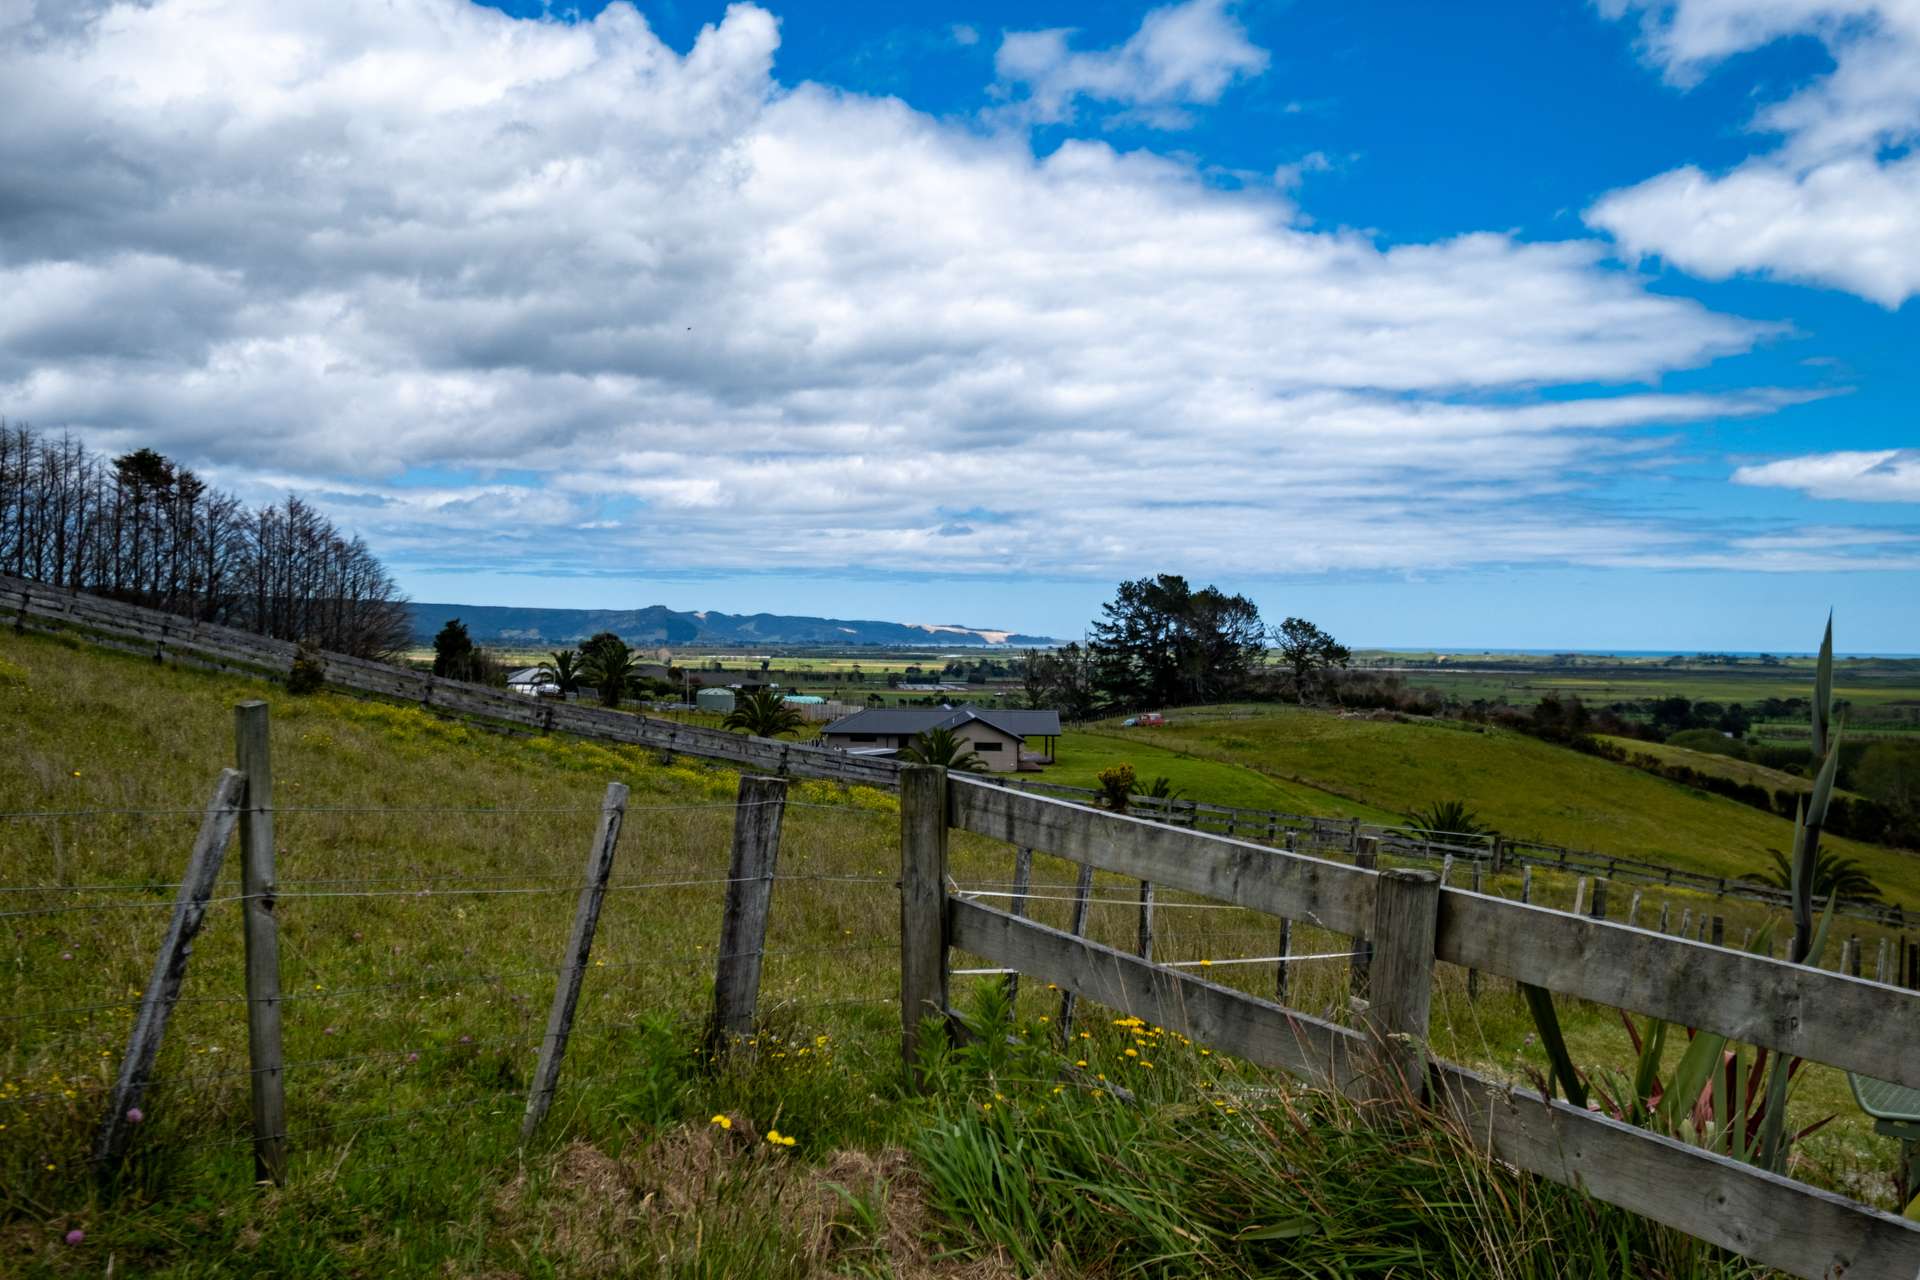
(1081, 1063)
(1146, 1064)
(778, 1138)
(76, 773)
(1133, 1053)
(1206, 964)
(724, 1122)
(1045, 1018)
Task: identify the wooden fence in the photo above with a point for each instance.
(169, 637)
(1309, 833)
(1409, 922)
(164, 636)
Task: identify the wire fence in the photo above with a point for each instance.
(420, 948)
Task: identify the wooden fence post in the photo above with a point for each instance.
(1526, 883)
(1146, 920)
(1666, 916)
(743, 926)
(1686, 921)
(1022, 882)
(1280, 969)
(169, 968)
(1406, 915)
(923, 906)
(1580, 896)
(1850, 956)
(1360, 967)
(1880, 961)
(254, 756)
(573, 963)
(1599, 908)
(1633, 908)
(1473, 975)
(1082, 889)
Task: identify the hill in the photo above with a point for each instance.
(512, 627)
(1519, 785)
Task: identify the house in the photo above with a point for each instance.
(1005, 741)
(532, 681)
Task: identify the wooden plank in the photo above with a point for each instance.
(1360, 967)
(573, 962)
(1825, 1017)
(1406, 909)
(1771, 1219)
(743, 922)
(169, 968)
(262, 928)
(1224, 1019)
(1333, 896)
(923, 894)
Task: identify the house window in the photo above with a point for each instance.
(986, 746)
(863, 737)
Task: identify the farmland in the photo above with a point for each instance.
(420, 989)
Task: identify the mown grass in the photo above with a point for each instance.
(412, 1018)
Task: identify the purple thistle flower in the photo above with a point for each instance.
(413, 1057)
(75, 1236)
(136, 1115)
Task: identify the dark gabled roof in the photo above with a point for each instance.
(911, 720)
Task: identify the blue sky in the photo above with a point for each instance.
(1529, 324)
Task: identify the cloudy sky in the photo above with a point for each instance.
(1542, 324)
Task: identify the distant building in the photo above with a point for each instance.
(720, 700)
(1004, 740)
(532, 681)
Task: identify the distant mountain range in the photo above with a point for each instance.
(508, 627)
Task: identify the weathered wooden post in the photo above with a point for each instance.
(1633, 908)
(573, 962)
(1360, 966)
(1406, 914)
(1686, 922)
(1082, 890)
(1022, 882)
(1526, 883)
(169, 968)
(923, 907)
(254, 756)
(1473, 975)
(1719, 931)
(1146, 920)
(1499, 855)
(1850, 956)
(1599, 908)
(1880, 961)
(757, 817)
(1580, 897)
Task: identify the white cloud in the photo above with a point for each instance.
(1873, 475)
(1183, 55)
(634, 310)
(1837, 201)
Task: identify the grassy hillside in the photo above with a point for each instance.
(427, 876)
(1519, 785)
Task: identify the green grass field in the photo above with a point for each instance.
(427, 873)
(1520, 786)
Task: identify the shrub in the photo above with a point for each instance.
(309, 672)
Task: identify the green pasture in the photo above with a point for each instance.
(427, 875)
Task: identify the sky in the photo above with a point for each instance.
(1531, 324)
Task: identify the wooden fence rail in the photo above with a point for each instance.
(1824, 1017)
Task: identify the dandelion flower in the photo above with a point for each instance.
(1133, 1053)
(778, 1138)
(1081, 1063)
(723, 1121)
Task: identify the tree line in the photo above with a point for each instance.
(1161, 642)
(145, 529)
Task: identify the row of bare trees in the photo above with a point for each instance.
(143, 528)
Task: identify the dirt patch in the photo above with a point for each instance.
(591, 1214)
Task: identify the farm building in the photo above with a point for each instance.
(1004, 740)
(714, 700)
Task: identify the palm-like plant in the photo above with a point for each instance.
(610, 670)
(1832, 874)
(1446, 820)
(764, 714)
(563, 669)
(944, 748)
